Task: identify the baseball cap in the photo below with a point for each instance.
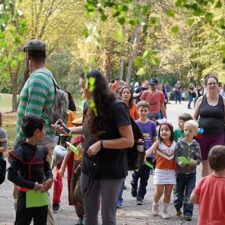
(153, 81)
(35, 45)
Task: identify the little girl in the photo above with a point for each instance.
(164, 178)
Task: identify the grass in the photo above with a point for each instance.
(5, 102)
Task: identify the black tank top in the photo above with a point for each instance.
(212, 117)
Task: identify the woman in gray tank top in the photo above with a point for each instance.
(210, 113)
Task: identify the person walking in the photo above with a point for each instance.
(210, 112)
(191, 94)
(31, 173)
(37, 97)
(107, 134)
(189, 148)
(165, 172)
(156, 101)
(209, 194)
(178, 92)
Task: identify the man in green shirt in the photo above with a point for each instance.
(37, 97)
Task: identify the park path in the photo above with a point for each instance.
(131, 214)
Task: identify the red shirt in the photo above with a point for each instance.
(211, 194)
(155, 100)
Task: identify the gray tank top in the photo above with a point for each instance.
(212, 117)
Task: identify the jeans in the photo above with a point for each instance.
(177, 96)
(184, 187)
(120, 197)
(143, 174)
(155, 116)
(190, 99)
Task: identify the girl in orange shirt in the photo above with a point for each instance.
(126, 94)
(164, 177)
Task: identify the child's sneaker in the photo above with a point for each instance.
(187, 218)
(119, 204)
(165, 215)
(139, 202)
(155, 209)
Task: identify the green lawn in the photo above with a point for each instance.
(5, 102)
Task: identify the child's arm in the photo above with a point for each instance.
(64, 162)
(13, 175)
(48, 175)
(152, 149)
(154, 139)
(194, 198)
(177, 153)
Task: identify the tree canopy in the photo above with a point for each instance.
(133, 40)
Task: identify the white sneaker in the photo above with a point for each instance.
(165, 215)
(155, 210)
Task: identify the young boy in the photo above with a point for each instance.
(209, 193)
(186, 169)
(179, 133)
(148, 128)
(3, 138)
(75, 196)
(31, 172)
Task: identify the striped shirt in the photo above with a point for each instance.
(36, 98)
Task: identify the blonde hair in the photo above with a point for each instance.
(192, 123)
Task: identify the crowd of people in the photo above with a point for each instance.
(96, 161)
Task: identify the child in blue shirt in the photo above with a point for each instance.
(148, 128)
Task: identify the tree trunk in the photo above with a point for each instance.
(134, 52)
(14, 98)
(107, 65)
(122, 66)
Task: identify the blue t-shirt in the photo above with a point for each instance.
(149, 132)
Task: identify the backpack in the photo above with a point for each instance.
(2, 170)
(136, 153)
(60, 105)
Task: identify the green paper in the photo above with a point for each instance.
(72, 148)
(36, 199)
(148, 164)
(183, 160)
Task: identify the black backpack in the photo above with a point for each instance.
(135, 154)
(2, 170)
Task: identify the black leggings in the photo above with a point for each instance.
(25, 215)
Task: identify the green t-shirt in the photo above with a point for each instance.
(36, 98)
(178, 134)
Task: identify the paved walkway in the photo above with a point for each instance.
(131, 214)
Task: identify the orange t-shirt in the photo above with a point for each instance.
(71, 117)
(165, 156)
(211, 194)
(133, 112)
(155, 101)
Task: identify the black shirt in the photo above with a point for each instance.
(108, 163)
(212, 117)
